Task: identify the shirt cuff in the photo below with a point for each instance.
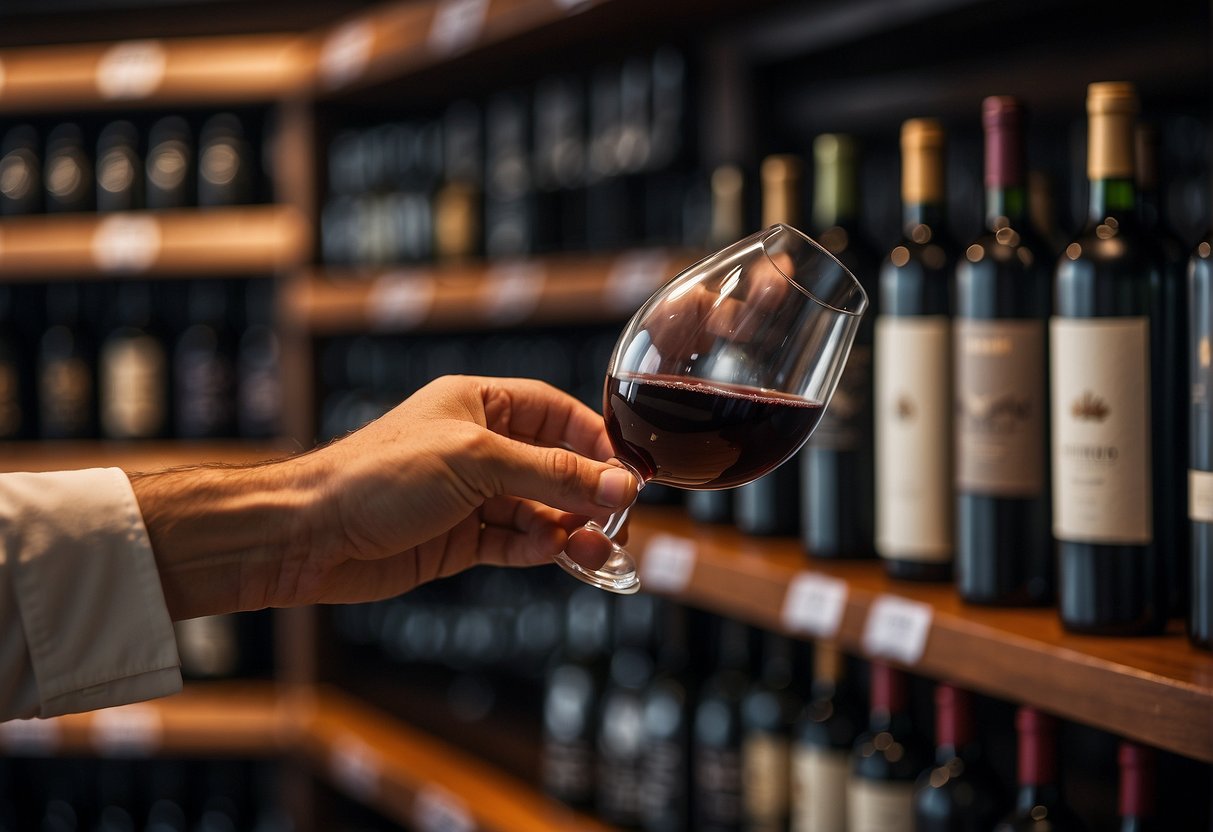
(88, 590)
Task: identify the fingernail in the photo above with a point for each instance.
(613, 488)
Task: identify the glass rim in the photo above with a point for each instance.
(772, 230)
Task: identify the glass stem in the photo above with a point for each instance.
(611, 526)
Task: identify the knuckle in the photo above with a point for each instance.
(563, 468)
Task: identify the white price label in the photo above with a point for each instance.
(126, 243)
(400, 301)
(127, 731)
(668, 564)
(814, 605)
(457, 24)
(897, 629)
(513, 291)
(633, 278)
(133, 69)
(346, 53)
(355, 768)
(33, 737)
(434, 810)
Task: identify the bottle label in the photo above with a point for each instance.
(65, 389)
(10, 399)
(819, 789)
(132, 387)
(879, 806)
(718, 787)
(662, 789)
(840, 428)
(764, 760)
(1101, 430)
(1200, 496)
(913, 438)
(1000, 403)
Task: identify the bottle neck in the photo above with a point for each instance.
(1112, 197)
(1006, 205)
(930, 214)
(835, 194)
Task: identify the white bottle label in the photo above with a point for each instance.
(878, 806)
(1200, 496)
(819, 789)
(913, 439)
(765, 781)
(133, 377)
(1101, 430)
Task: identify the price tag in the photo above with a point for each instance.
(127, 731)
(457, 24)
(132, 69)
(126, 243)
(346, 53)
(434, 810)
(355, 768)
(633, 278)
(513, 291)
(31, 737)
(669, 562)
(400, 300)
(814, 605)
(897, 629)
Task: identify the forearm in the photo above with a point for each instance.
(218, 533)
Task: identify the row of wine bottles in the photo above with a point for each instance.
(639, 731)
(139, 360)
(575, 163)
(172, 164)
(122, 795)
(1013, 417)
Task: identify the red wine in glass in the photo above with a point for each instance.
(703, 435)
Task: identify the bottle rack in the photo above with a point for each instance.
(1159, 690)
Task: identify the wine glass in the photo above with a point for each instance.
(723, 373)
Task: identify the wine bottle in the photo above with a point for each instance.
(69, 173)
(608, 225)
(1004, 551)
(119, 171)
(837, 469)
(457, 200)
(259, 378)
(1136, 788)
(509, 208)
(132, 370)
(914, 502)
(620, 761)
(958, 793)
(1169, 344)
(727, 226)
(823, 737)
(716, 747)
(665, 787)
(885, 760)
(768, 713)
(560, 165)
(169, 158)
(570, 705)
(204, 368)
(770, 505)
(1200, 459)
(15, 415)
(225, 163)
(1039, 806)
(1104, 376)
(67, 392)
(20, 172)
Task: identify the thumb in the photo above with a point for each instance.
(558, 478)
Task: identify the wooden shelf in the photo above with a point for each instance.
(131, 456)
(399, 38)
(227, 719)
(420, 781)
(254, 239)
(1156, 690)
(187, 71)
(550, 290)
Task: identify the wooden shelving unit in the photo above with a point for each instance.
(132, 456)
(232, 719)
(254, 239)
(1155, 690)
(420, 781)
(147, 73)
(548, 290)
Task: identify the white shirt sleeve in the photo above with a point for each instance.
(83, 622)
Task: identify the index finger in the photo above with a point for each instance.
(535, 412)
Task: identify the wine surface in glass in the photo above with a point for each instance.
(697, 434)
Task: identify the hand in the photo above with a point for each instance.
(466, 471)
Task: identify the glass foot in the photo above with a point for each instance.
(617, 575)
